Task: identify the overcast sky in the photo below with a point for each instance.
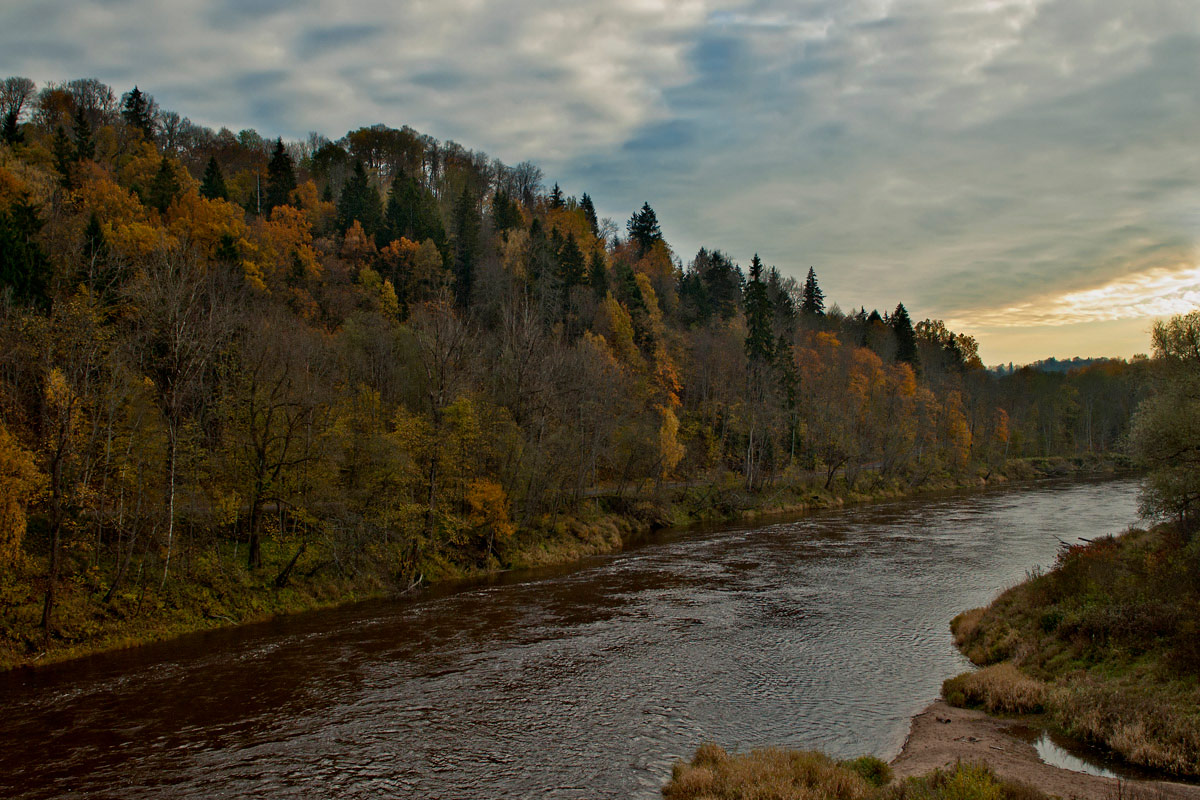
(1028, 171)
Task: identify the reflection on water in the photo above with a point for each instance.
(827, 632)
(1050, 753)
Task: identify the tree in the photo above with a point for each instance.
(24, 265)
(138, 110)
(760, 339)
(85, 148)
(589, 213)
(906, 338)
(213, 184)
(163, 188)
(643, 229)
(15, 92)
(466, 245)
(281, 179)
(813, 304)
(1165, 435)
(598, 274)
(359, 201)
(556, 197)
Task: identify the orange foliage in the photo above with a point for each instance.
(203, 222)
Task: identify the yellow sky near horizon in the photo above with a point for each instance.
(1113, 319)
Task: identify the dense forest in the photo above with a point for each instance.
(229, 360)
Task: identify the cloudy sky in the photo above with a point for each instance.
(1027, 170)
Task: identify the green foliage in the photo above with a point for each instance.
(212, 185)
(359, 202)
(23, 263)
(643, 229)
(281, 179)
(813, 303)
(163, 188)
(138, 109)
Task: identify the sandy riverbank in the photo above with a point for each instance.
(942, 735)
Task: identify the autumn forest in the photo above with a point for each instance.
(241, 375)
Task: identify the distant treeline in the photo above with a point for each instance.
(378, 351)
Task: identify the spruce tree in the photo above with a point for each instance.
(360, 201)
(760, 340)
(589, 213)
(643, 229)
(906, 338)
(466, 246)
(163, 188)
(137, 109)
(23, 264)
(813, 304)
(281, 180)
(85, 148)
(556, 197)
(571, 267)
(598, 274)
(64, 156)
(212, 185)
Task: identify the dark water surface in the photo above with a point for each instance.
(828, 632)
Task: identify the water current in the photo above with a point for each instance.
(828, 631)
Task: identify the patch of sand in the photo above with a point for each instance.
(942, 735)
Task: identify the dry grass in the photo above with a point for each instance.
(776, 774)
(998, 689)
(1144, 729)
(771, 774)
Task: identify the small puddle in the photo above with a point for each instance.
(1050, 753)
(1072, 755)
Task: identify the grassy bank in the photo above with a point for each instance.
(776, 774)
(211, 587)
(1106, 645)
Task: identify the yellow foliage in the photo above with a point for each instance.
(488, 506)
(11, 187)
(97, 193)
(321, 213)
(669, 447)
(281, 244)
(19, 482)
(615, 325)
(203, 222)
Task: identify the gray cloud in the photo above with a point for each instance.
(962, 157)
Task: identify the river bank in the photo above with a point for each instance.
(1104, 645)
(221, 592)
(943, 735)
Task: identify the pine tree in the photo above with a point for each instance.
(906, 338)
(281, 180)
(213, 184)
(85, 148)
(760, 340)
(813, 304)
(163, 188)
(556, 197)
(589, 213)
(137, 109)
(643, 229)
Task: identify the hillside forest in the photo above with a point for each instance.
(232, 361)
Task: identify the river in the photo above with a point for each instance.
(829, 631)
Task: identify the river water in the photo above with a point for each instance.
(825, 632)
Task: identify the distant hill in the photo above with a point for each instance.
(1049, 365)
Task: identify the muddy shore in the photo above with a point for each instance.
(941, 735)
